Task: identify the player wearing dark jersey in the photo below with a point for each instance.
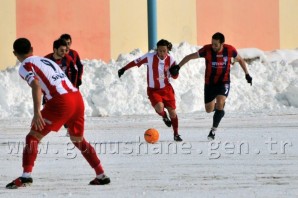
(75, 56)
(65, 61)
(218, 56)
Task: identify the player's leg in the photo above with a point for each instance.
(209, 98)
(160, 110)
(219, 111)
(174, 120)
(170, 104)
(29, 156)
(76, 131)
(223, 92)
(158, 105)
(90, 155)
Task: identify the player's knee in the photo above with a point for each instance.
(173, 114)
(209, 109)
(75, 139)
(159, 107)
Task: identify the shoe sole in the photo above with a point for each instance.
(104, 182)
(16, 187)
(210, 138)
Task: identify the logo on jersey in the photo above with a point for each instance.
(225, 58)
(58, 76)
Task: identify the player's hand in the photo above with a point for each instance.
(248, 79)
(38, 122)
(121, 72)
(174, 70)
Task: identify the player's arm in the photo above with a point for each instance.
(138, 62)
(174, 70)
(80, 67)
(188, 58)
(72, 73)
(126, 67)
(242, 63)
(37, 120)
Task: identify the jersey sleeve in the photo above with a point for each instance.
(27, 73)
(202, 52)
(234, 51)
(137, 62)
(142, 60)
(72, 71)
(172, 61)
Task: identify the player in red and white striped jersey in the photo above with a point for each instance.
(64, 105)
(160, 91)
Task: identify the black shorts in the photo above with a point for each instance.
(211, 91)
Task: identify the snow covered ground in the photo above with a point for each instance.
(255, 153)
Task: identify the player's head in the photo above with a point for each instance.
(163, 48)
(60, 48)
(218, 40)
(67, 38)
(22, 48)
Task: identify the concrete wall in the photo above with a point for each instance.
(102, 29)
(44, 21)
(177, 21)
(244, 24)
(288, 24)
(7, 33)
(128, 26)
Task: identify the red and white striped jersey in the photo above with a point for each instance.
(157, 70)
(52, 79)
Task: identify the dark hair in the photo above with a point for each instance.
(219, 36)
(164, 42)
(65, 37)
(59, 42)
(22, 46)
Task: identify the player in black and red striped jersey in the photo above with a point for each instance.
(218, 57)
(75, 56)
(65, 61)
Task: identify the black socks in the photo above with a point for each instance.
(218, 115)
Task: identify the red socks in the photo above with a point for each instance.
(31, 150)
(175, 125)
(30, 153)
(162, 114)
(89, 154)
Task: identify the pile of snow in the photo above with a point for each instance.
(274, 88)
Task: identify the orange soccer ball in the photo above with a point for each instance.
(151, 136)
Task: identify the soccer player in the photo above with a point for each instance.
(64, 105)
(218, 57)
(75, 56)
(65, 61)
(160, 91)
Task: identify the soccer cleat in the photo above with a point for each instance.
(102, 181)
(177, 138)
(20, 182)
(167, 121)
(211, 135)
